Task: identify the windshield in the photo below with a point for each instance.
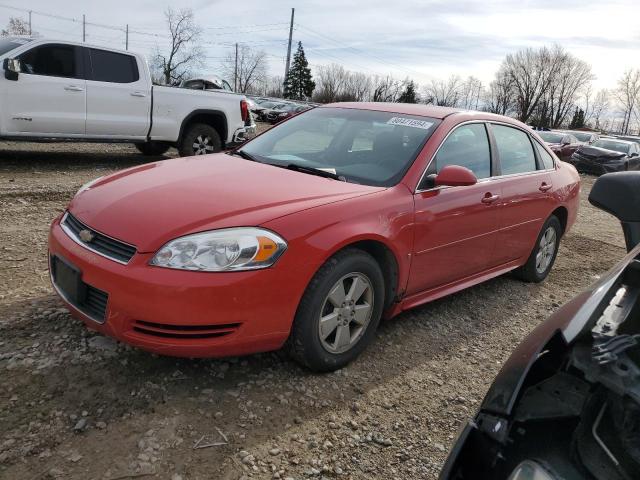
(583, 137)
(363, 146)
(612, 145)
(8, 44)
(551, 137)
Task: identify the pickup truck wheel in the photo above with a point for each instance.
(152, 148)
(200, 139)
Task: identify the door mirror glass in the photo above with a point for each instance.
(455, 176)
(11, 68)
(619, 194)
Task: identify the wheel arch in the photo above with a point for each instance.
(386, 258)
(214, 118)
(562, 213)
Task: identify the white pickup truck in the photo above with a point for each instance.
(64, 91)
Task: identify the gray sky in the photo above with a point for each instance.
(420, 39)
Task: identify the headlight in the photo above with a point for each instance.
(88, 185)
(222, 250)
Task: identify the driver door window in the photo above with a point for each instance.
(466, 146)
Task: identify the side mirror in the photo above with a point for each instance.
(455, 176)
(11, 68)
(634, 154)
(619, 194)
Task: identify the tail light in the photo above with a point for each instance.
(244, 110)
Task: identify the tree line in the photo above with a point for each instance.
(544, 87)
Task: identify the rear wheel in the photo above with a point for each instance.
(339, 312)
(200, 139)
(152, 148)
(544, 253)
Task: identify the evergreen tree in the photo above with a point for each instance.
(409, 94)
(578, 119)
(299, 83)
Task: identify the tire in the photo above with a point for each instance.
(200, 139)
(152, 148)
(538, 267)
(306, 343)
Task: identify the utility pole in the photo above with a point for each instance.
(235, 72)
(126, 41)
(286, 68)
(84, 31)
(30, 23)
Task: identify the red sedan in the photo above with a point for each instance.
(312, 232)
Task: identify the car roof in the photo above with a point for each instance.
(432, 111)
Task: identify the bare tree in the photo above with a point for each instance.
(445, 93)
(387, 89)
(184, 53)
(331, 82)
(599, 108)
(628, 95)
(15, 26)
(251, 71)
(470, 93)
(499, 98)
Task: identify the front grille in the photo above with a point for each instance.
(99, 243)
(164, 330)
(95, 303)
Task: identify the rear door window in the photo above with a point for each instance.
(547, 160)
(113, 67)
(53, 60)
(514, 149)
(467, 146)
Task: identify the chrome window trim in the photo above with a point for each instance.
(73, 237)
(483, 180)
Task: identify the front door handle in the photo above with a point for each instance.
(73, 88)
(489, 199)
(138, 94)
(545, 187)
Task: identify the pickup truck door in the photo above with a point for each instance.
(49, 96)
(118, 95)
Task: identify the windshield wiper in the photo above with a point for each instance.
(245, 155)
(314, 171)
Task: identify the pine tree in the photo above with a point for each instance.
(578, 119)
(409, 94)
(299, 83)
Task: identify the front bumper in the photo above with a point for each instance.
(182, 313)
(243, 134)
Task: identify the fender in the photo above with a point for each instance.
(194, 113)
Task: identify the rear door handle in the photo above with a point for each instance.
(488, 198)
(73, 88)
(138, 94)
(545, 187)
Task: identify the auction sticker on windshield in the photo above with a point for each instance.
(410, 122)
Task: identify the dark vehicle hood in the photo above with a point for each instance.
(597, 153)
(575, 319)
(149, 205)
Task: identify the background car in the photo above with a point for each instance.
(562, 144)
(311, 232)
(277, 115)
(566, 404)
(209, 82)
(584, 138)
(607, 155)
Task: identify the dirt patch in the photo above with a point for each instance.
(77, 405)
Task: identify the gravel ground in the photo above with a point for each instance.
(77, 405)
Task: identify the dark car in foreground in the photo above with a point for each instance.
(607, 155)
(566, 405)
(562, 144)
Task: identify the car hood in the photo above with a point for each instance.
(597, 152)
(149, 205)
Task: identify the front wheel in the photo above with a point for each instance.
(200, 139)
(544, 253)
(339, 312)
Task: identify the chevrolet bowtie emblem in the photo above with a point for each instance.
(85, 235)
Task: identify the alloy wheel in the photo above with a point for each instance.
(346, 313)
(546, 250)
(202, 145)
